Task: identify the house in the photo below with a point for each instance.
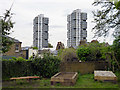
(17, 51)
(27, 52)
(60, 45)
(14, 51)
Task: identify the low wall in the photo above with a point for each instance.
(83, 67)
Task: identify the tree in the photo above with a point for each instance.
(35, 48)
(116, 48)
(107, 18)
(6, 26)
(117, 3)
(94, 51)
(68, 55)
(83, 52)
(49, 45)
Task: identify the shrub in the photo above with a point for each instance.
(116, 48)
(68, 54)
(83, 52)
(47, 66)
(98, 51)
(35, 48)
(93, 52)
(43, 67)
(15, 67)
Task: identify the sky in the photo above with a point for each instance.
(56, 10)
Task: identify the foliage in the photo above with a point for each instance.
(18, 59)
(107, 18)
(43, 67)
(98, 51)
(93, 52)
(68, 54)
(60, 51)
(47, 66)
(116, 48)
(116, 3)
(7, 25)
(50, 46)
(35, 48)
(15, 67)
(83, 52)
(6, 43)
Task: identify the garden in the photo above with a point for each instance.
(83, 81)
(49, 65)
(105, 19)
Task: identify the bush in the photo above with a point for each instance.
(116, 48)
(83, 52)
(16, 67)
(93, 52)
(98, 51)
(35, 48)
(47, 66)
(68, 55)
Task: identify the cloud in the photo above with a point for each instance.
(55, 10)
(57, 26)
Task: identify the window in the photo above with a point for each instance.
(74, 19)
(16, 48)
(46, 31)
(84, 37)
(84, 20)
(46, 24)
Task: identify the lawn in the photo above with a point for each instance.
(83, 81)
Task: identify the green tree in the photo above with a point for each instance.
(116, 48)
(117, 3)
(35, 48)
(106, 18)
(49, 45)
(67, 55)
(93, 52)
(6, 26)
(83, 52)
(46, 66)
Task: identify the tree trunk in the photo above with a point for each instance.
(113, 68)
(116, 61)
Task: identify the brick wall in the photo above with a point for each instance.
(12, 51)
(23, 54)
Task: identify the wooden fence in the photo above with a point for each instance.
(83, 67)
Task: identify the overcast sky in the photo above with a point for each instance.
(55, 10)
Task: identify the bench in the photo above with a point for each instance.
(28, 78)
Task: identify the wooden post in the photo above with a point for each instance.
(116, 60)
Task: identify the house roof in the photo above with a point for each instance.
(13, 39)
(25, 48)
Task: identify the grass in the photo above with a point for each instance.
(83, 81)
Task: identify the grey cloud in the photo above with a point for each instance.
(57, 26)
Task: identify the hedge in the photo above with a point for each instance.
(43, 67)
